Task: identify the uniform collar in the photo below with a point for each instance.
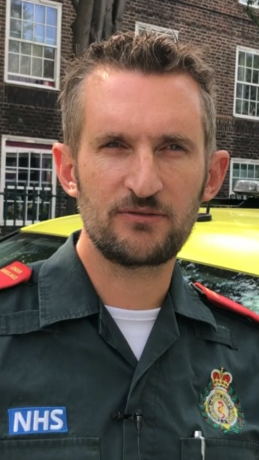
(66, 291)
(186, 302)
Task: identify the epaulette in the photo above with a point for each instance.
(227, 304)
(13, 274)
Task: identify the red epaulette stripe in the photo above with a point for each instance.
(13, 274)
(226, 303)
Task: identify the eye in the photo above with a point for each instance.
(113, 145)
(174, 147)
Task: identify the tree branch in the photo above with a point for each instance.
(250, 12)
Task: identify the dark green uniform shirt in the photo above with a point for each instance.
(72, 389)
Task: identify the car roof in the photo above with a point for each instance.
(230, 240)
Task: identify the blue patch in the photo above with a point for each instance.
(29, 420)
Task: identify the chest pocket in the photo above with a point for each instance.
(214, 449)
(50, 449)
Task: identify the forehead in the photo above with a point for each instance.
(146, 103)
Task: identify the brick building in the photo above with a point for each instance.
(36, 34)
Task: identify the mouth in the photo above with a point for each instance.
(141, 211)
(141, 214)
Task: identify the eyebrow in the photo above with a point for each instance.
(170, 138)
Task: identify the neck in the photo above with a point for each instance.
(134, 289)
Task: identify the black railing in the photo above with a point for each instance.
(21, 205)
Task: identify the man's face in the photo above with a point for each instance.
(140, 168)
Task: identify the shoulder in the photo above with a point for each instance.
(224, 303)
(18, 287)
(13, 274)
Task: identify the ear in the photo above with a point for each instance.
(65, 164)
(218, 166)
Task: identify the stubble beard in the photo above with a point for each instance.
(119, 250)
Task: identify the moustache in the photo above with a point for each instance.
(134, 201)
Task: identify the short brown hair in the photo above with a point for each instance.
(148, 53)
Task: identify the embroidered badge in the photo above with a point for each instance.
(30, 420)
(219, 403)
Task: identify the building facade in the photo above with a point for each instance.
(36, 39)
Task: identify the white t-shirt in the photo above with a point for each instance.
(135, 325)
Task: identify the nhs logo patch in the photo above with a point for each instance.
(29, 420)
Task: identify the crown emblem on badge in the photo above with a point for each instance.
(219, 404)
(220, 378)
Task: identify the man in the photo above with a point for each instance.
(105, 351)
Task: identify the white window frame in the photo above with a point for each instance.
(30, 141)
(251, 51)
(245, 161)
(244, 2)
(140, 26)
(56, 87)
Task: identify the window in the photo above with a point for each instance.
(246, 100)
(29, 180)
(242, 168)
(33, 43)
(255, 4)
(141, 26)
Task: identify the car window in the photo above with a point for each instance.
(239, 287)
(28, 247)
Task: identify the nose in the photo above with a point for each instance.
(144, 175)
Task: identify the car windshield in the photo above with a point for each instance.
(239, 287)
(28, 247)
(244, 289)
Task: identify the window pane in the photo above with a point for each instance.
(28, 11)
(13, 64)
(26, 48)
(25, 65)
(22, 177)
(46, 177)
(10, 178)
(27, 30)
(14, 46)
(15, 28)
(40, 14)
(39, 33)
(16, 9)
(49, 53)
(51, 35)
(243, 172)
(248, 75)
(255, 76)
(37, 67)
(238, 106)
(48, 69)
(250, 174)
(11, 160)
(253, 93)
(252, 108)
(241, 74)
(256, 171)
(256, 61)
(35, 160)
(249, 60)
(239, 90)
(245, 108)
(34, 177)
(37, 50)
(47, 162)
(236, 168)
(241, 58)
(51, 19)
(246, 92)
(23, 160)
